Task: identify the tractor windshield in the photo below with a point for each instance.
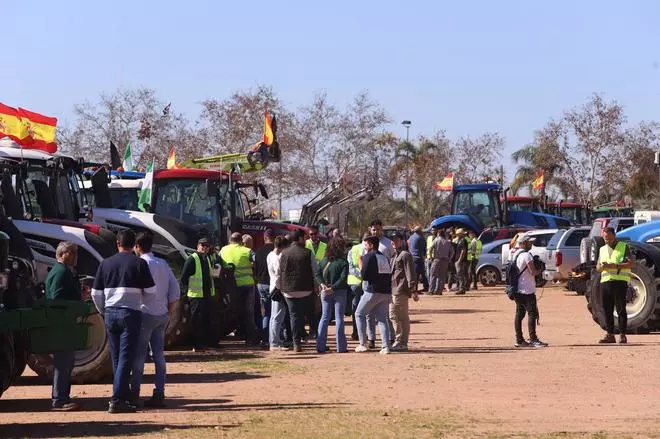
(483, 206)
(573, 214)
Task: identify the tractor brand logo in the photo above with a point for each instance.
(256, 227)
(39, 245)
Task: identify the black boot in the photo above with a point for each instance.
(156, 400)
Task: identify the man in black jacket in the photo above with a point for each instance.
(297, 268)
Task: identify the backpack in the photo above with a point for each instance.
(512, 276)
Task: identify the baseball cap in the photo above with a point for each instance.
(526, 238)
(397, 235)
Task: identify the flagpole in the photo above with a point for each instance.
(279, 212)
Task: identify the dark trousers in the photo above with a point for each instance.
(123, 328)
(357, 293)
(63, 363)
(462, 276)
(526, 304)
(298, 308)
(420, 270)
(247, 296)
(200, 316)
(452, 279)
(313, 316)
(614, 294)
(473, 273)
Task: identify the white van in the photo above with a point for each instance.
(646, 216)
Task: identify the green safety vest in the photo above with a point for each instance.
(616, 257)
(477, 250)
(429, 241)
(355, 252)
(320, 250)
(196, 281)
(239, 257)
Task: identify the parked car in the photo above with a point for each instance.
(489, 270)
(539, 247)
(564, 253)
(587, 255)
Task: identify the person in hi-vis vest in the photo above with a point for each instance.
(197, 282)
(315, 245)
(614, 264)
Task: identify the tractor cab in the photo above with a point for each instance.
(576, 213)
(523, 204)
(479, 202)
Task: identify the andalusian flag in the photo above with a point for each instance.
(538, 183)
(29, 129)
(147, 184)
(171, 159)
(447, 183)
(269, 133)
(127, 164)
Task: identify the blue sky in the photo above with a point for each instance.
(467, 67)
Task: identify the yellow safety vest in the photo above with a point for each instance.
(239, 256)
(616, 257)
(355, 252)
(320, 250)
(429, 242)
(196, 281)
(477, 250)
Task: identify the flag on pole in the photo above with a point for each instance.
(274, 213)
(269, 133)
(447, 183)
(40, 131)
(539, 182)
(11, 124)
(115, 159)
(127, 164)
(147, 184)
(171, 159)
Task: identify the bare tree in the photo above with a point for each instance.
(477, 159)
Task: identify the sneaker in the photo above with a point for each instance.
(157, 400)
(384, 351)
(121, 407)
(371, 344)
(399, 347)
(361, 348)
(538, 344)
(279, 348)
(609, 338)
(522, 344)
(65, 407)
(623, 339)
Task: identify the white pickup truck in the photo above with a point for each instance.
(539, 247)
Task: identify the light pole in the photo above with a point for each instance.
(407, 123)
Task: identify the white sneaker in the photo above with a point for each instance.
(279, 348)
(384, 351)
(361, 348)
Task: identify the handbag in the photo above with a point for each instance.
(276, 295)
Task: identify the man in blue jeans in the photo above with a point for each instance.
(121, 282)
(262, 278)
(377, 287)
(155, 312)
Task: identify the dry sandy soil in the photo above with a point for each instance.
(462, 378)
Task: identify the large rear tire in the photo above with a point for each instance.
(585, 250)
(21, 352)
(6, 361)
(177, 332)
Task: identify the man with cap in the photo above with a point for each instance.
(462, 264)
(197, 282)
(404, 286)
(417, 246)
(525, 298)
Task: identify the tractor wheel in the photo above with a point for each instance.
(6, 361)
(21, 352)
(585, 250)
(643, 308)
(489, 276)
(92, 365)
(178, 328)
(227, 311)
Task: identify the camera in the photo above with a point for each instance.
(538, 263)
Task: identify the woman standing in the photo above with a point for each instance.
(332, 276)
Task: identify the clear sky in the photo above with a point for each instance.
(463, 66)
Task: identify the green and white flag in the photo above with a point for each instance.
(127, 164)
(147, 184)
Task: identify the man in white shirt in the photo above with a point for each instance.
(278, 304)
(384, 243)
(525, 298)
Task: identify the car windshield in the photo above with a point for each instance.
(479, 205)
(554, 241)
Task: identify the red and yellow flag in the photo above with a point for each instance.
(171, 159)
(274, 213)
(447, 183)
(269, 134)
(11, 124)
(40, 131)
(539, 182)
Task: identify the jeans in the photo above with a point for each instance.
(399, 315)
(246, 296)
(63, 363)
(472, 280)
(276, 324)
(298, 308)
(378, 305)
(462, 269)
(429, 273)
(200, 310)
(265, 308)
(614, 294)
(526, 303)
(123, 328)
(439, 268)
(336, 301)
(152, 333)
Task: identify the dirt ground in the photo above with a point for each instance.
(462, 378)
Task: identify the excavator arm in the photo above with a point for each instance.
(256, 159)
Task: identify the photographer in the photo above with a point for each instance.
(525, 298)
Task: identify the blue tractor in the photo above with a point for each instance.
(477, 206)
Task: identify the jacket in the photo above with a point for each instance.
(336, 274)
(297, 269)
(376, 273)
(403, 274)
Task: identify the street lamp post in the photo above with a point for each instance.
(407, 123)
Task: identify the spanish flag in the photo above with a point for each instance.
(11, 124)
(538, 183)
(171, 159)
(274, 213)
(40, 131)
(447, 183)
(269, 130)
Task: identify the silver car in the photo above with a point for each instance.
(489, 270)
(564, 253)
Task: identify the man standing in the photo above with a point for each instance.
(417, 246)
(355, 279)
(462, 264)
(197, 281)
(121, 282)
(155, 312)
(429, 258)
(278, 304)
(614, 264)
(442, 252)
(474, 253)
(525, 298)
(404, 286)
(297, 268)
(62, 284)
(263, 280)
(239, 256)
(315, 245)
(384, 244)
(377, 295)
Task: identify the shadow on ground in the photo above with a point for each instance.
(449, 311)
(95, 428)
(464, 350)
